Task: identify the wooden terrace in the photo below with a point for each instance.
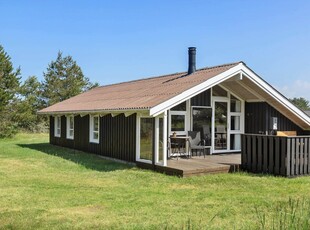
(195, 166)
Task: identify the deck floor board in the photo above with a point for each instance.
(221, 163)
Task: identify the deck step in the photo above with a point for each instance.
(215, 170)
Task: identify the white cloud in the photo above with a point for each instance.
(298, 88)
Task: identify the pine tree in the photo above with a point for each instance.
(301, 103)
(27, 106)
(9, 83)
(63, 79)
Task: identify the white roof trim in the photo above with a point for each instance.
(86, 112)
(240, 68)
(158, 109)
(275, 94)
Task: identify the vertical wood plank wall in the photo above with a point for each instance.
(258, 115)
(202, 99)
(117, 137)
(285, 156)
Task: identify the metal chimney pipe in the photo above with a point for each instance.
(191, 60)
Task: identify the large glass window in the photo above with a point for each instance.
(94, 129)
(70, 127)
(220, 125)
(161, 139)
(202, 120)
(57, 124)
(146, 138)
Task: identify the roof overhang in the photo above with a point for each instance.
(97, 112)
(187, 94)
(248, 80)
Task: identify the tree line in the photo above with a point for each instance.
(20, 101)
(63, 78)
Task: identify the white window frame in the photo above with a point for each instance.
(57, 126)
(138, 138)
(229, 115)
(69, 128)
(176, 113)
(91, 129)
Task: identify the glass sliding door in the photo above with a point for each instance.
(220, 125)
(146, 138)
(202, 122)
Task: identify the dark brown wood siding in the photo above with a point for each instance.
(117, 138)
(258, 116)
(285, 156)
(202, 99)
(62, 140)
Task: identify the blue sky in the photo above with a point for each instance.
(116, 41)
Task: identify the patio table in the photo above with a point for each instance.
(177, 140)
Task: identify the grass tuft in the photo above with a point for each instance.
(293, 214)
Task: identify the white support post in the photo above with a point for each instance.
(138, 137)
(156, 140)
(165, 138)
(188, 116)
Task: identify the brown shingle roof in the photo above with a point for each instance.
(138, 94)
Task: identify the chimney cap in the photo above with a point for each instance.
(191, 60)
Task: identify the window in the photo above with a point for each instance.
(178, 122)
(235, 104)
(146, 138)
(235, 123)
(178, 119)
(57, 125)
(70, 127)
(179, 107)
(202, 122)
(235, 142)
(219, 91)
(94, 129)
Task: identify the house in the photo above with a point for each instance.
(133, 121)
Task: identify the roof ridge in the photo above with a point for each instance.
(141, 79)
(218, 66)
(172, 74)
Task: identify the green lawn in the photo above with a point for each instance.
(48, 187)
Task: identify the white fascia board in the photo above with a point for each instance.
(275, 94)
(158, 109)
(94, 112)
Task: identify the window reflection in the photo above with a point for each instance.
(202, 123)
(146, 138)
(235, 104)
(177, 123)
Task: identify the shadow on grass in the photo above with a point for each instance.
(88, 160)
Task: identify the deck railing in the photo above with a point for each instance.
(285, 156)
